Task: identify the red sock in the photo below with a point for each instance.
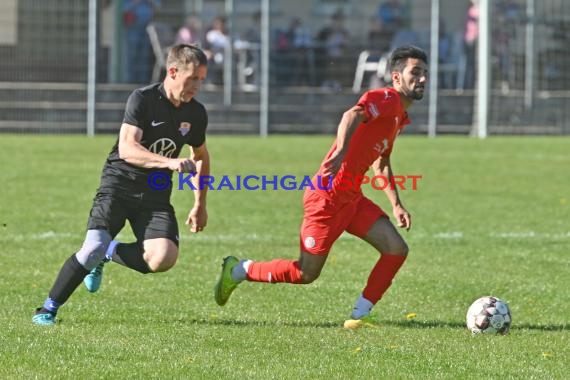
(275, 271)
(381, 276)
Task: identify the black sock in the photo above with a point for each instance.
(70, 276)
(131, 256)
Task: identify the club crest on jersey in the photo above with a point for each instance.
(184, 128)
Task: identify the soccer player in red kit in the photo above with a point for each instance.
(365, 138)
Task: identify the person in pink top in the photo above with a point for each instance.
(365, 138)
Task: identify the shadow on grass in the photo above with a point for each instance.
(443, 324)
(411, 324)
(233, 322)
(405, 324)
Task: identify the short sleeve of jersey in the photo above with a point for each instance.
(379, 103)
(199, 136)
(134, 110)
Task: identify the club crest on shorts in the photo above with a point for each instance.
(310, 242)
(184, 128)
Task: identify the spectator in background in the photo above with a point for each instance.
(191, 32)
(215, 44)
(445, 43)
(297, 46)
(378, 37)
(508, 14)
(405, 36)
(253, 33)
(333, 39)
(392, 17)
(447, 57)
(470, 36)
(247, 51)
(137, 14)
(285, 51)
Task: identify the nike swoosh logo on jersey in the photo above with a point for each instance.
(156, 123)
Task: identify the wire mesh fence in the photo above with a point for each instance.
(322, 55)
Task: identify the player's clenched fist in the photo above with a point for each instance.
(183, 165)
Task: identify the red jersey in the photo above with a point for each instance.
(385, 119)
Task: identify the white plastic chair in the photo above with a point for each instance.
(365, 64)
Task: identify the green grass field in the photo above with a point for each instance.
(490, 217)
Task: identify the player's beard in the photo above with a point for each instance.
(417, 93)
(412, 91)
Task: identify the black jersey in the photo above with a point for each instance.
(166, 129)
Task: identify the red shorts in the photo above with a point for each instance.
(324, 220)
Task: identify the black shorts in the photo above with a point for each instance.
(149, 220)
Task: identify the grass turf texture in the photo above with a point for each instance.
(490, 217)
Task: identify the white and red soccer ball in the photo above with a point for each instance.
(489, 315)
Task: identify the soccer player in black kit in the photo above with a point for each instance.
(159, 119)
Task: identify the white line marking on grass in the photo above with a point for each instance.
(449, 235)
(516, 235)
(48, 235)
(530, 235)
(51, 235)
(227, 237)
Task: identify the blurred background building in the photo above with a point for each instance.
(321, 55)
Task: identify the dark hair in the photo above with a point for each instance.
(400, 55)
(183, 54)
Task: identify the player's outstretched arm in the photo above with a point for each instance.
(131, 150)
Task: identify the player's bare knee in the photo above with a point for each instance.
(160, 254)
(161, 260)
(159, 267)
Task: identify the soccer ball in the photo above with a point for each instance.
(489, 315)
